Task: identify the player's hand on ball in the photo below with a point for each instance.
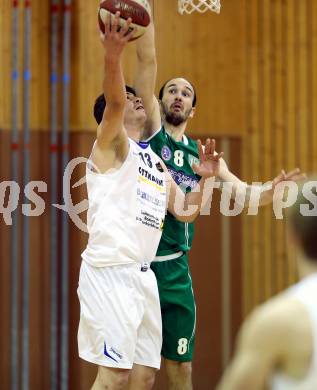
(116, 37)
(209, 160)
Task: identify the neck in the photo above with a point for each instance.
(176, 132)
(134, 133)
(306, 267)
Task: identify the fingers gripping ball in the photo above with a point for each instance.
(138, 10)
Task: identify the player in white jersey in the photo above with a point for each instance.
(129, 189)
(277, 345)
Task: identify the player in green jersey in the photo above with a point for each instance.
(171, 263)
(165, 129)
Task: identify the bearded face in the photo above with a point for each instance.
(175, 116)
(177, 101)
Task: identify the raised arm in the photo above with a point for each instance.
(111, 135)
(145, 78)
(265, 191)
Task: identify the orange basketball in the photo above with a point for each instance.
(138, 10)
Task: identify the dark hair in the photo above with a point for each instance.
(161, 93)
(100, 104)
(305, 226)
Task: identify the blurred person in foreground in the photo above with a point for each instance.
(277, 344)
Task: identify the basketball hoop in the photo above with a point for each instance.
(189, 6)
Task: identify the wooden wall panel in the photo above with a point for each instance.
(313, 76)
(5, 275)
(280, 53)
(5, 62)
(40, 71)
(206, 49)
(290, 102)
(40, 86)
(265, 145)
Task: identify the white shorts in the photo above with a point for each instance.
(120, 316)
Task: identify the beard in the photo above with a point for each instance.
(175, 118)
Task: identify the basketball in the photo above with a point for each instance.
(138, 10)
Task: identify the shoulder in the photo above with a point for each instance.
(153, 152)
(273, 325)
(104, 159)
(189, 140)
(159, 133)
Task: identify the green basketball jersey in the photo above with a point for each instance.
(178, 157)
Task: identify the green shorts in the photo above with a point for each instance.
(178, 308)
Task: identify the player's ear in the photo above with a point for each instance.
(192, 113)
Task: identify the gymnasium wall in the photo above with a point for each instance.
(281, 127)
(255, 70)
(211, 57)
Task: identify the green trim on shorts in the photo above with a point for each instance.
(178, 308)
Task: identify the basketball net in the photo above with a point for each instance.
(189, 6)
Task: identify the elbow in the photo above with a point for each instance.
(148, 58)
(189, 219)
(181, 207)
(186, 219)
(115, 106)
(187, 216)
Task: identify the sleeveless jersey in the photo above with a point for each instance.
(127, 208)
(178, 157)
(306, 292)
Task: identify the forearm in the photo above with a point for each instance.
(146, 44)
(146, 69)
(146, 52)
(258, 194)
(114, 85)
(247, 195)
(188, 206)
(198, 197)
(266, 194)
(111, 128)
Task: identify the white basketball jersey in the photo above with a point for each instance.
(306, 292)
(127, 209)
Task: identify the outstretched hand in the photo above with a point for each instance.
(295, 175)
(209, 160)
(116, 36)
